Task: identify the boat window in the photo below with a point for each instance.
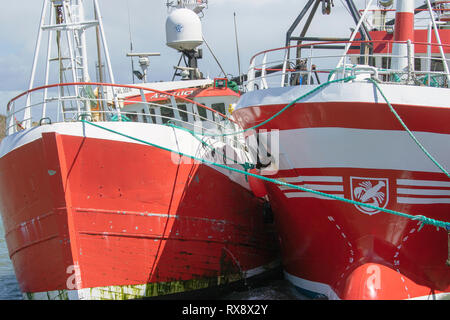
(386, 62)
(437, 65)
(220, 107)
(132, 115)
(144, 118)
(182, 108)
(202, 113)
(167, 114)
(417, 64)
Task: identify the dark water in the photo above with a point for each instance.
(273, 290)
(278, 289)
(9, 288)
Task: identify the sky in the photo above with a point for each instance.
(262, 24)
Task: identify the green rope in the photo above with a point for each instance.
(233, 86)
(424, 220)
(123, 118)
(339, 69)
(409, 131)
(347, 79)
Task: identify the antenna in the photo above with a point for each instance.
(144, 62)
(237, 48)
(215, 58)
(131, 39)
(195, 5)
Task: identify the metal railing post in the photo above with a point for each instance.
(251, 77)
(283, 74)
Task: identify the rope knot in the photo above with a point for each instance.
(424, 220)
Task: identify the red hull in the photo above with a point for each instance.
(334, 248)
(125, 215)
(331, 242)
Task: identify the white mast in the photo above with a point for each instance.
(68, 22)
(403, 53)
(27, 114)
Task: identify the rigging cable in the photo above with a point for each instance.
(224, 73)
(131, 40)
(237, 49)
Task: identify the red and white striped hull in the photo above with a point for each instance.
(337, 140)
(92, 215)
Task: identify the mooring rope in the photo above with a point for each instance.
(424, 220)
(407, 129)
(347, 79)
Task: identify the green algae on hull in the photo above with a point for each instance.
(137, 291)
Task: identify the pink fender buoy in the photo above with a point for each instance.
(257, 185)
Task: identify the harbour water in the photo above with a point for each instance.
(9, 288)
(278, 289)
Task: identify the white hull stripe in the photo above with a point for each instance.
(362, 149)
(423, 183)
(428, 188)
(309, 195)
(312, 179)
(317, 187)
(422, 200)
(348, 92)
(423, 192)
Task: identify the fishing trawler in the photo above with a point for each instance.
(359, 182)
(106, 190)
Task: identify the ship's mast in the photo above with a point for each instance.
(65, 22)
(403, 49)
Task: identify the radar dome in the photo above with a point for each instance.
(183, 30)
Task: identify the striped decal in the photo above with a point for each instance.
(408, 200)
(408, 191)
(312, 179)
(424, 183)
(423, 191)
(317, 187)
(310, 195)
(317, 183)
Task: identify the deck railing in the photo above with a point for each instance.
(275, 68)
(99, 102)
(384, 18)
